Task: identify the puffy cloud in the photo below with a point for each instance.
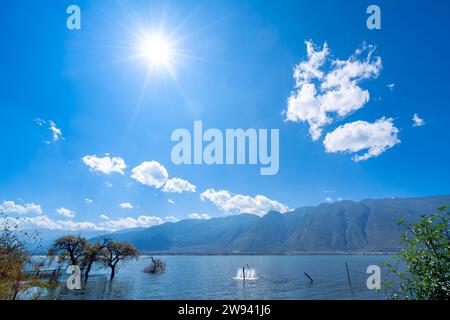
(417, 121)
(199, 216)
(328, 199)
(126, 205)
(105, 165)
(12, 207)
(259, 204)
(391, 86)
(66, 212)
(150, 173)
(170, 201)
(88, 201)
(319, 97)
(129, 222)
(178, 185)
(356, 136)
(47, 223)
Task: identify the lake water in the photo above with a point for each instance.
(214, 277)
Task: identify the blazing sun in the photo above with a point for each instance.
(156, 51)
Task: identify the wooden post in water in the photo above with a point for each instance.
(243, 275)
(348, 276)
(310, 279)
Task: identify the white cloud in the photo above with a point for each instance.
(44, 221)
(126, 205)
(171, 219)
(417, 121)
(108, 184)
(328, 199)
(88, 201)
(391, 86)
(319, 95)
(178, 185)
(12, 207)
(170, 201)
(40, 122)
(259, 204)
(73, 225)
(150, 173)
(199, 216)
(56, 132)
(129, 222)
(105, 165)
(356, 136)
(66, 212)
(47, 223)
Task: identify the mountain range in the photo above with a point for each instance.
(367, 226)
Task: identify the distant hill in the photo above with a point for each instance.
(368, 226)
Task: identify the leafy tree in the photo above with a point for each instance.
(91, 255)
(115, 251)
(422, 267)
(71, 247)
(19, 272)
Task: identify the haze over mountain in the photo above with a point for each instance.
(368, 226)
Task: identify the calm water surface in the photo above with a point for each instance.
(213, 277)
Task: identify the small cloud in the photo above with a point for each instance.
(171, 219)
(417, 121)
(56, 132)
(178, 185)
(150, 173)
(170, 201)
(104, 217)
(339, 199)
(328, 199)
(40, 122)
(88, 201)
(227, 202)
(105, 164)
(391, 86)
(108, 184)
(357, 136)
(126, 205)
(199, 216)
(66, 212)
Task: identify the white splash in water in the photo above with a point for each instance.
(250, 274)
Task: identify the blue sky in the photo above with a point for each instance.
(233, 67)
